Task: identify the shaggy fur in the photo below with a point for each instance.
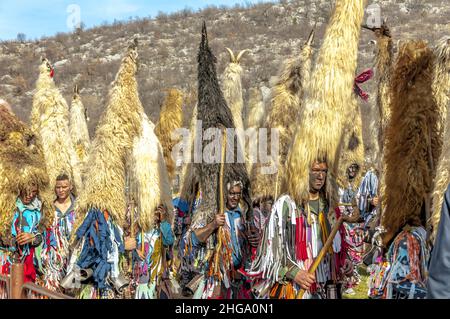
(413, 143)
(50, 121)
(441, 93)
(79, 131)
(170, 119)
(255, 114)
(328, 99)
(284, 112)
(21, 164)
(149, 178)
(384, 61)
(351, 150)
(213, 111)
(190, 178)
(232, 90)
(256, 109)
(119, 125)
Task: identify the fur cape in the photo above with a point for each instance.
(413, 143)
(50, 121)
(329, 98)
(104, 188)
(287, 94)
(150, 184)
(232, 91)
(170, 119)
(22, 163)
(441, 93)
(79, 130)
(351, 150)
(214, 112)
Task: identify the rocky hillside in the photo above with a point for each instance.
(168, 49)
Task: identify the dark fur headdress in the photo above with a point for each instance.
(214, 112)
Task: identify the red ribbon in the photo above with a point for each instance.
(363, 77)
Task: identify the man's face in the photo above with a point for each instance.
(317, 176)
(233, 197)
(352, 171)
(27, 196)
(62, 189)
(266, 206)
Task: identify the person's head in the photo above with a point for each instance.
(352, 171)
(63, 187)
(234, 193)
(28, 195)
(318, 176)
(266, 204)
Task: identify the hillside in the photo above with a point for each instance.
(168, 49)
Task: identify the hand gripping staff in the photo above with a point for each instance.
(354, 218)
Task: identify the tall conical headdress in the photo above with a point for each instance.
(413, 143)
(328, 99)
(170, 119)
(214, 113)
(104, 188)
(50, 121)
(285, 109)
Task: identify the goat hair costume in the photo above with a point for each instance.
(286, 104)
(50, 121)
(79, 130)
(413, 143)
(441, 93)
(170, 119)
(214, 113)
(21, 164)
(104, 188)
(328, 98)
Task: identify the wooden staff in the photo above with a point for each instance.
(222, 205)
(348, 219)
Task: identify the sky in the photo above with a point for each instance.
(37, 18)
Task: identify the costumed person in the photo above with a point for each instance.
(233, 223)
(326, 106)
(150, 232)
(261, 212)
(214, 263)
(293, 237)
(53, 255)
(24, 195)
(350, 162)
(412, 149)
(97, 237)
